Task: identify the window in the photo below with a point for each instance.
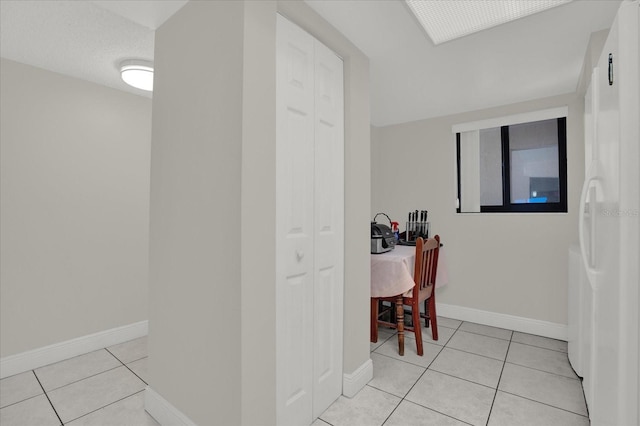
(518, 167)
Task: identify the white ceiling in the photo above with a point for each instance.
(82, 39)
(449, 20)
(533, 57)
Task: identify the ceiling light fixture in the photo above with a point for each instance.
(137, 73)
(448, 20)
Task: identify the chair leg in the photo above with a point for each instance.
(417, 327)
(433, 318)
(400, 324)
(374, 320)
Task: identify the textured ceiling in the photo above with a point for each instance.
(448, 20)
(411, 78)
(82, 39)
(149, 13)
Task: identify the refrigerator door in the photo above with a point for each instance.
(583, 281)
(613, 273)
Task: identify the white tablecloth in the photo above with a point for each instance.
(392, 272)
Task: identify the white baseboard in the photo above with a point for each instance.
(352, 383)
(25, 361)
(163, 411)
(510, 322)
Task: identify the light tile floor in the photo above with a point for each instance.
(101, 388)
(473, 374)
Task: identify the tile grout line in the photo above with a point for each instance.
(22, 400)
(504, 362)
(431, 341)
(91, 375)
(510, 340)
(473, 353)
(73, 382)
(544, 371)
(134, 373)
(412, 386)
(463, 379)
(122, 364)
(48, 399)
(544, 403)
(499, 379)
(542, 347)
(127, 367)
(406, 362)
(426, 408)
(84, 378)
(484, 335)
(105, 406)
(421, 375)
(434, 344)
(429, 368)
(46, 393)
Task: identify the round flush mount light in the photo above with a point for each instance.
(137, 73)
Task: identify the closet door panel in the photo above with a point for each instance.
(329, 228)
(294, 223)
(309, 225)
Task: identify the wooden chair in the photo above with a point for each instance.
(424, 277)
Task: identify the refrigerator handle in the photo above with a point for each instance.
(586, 259)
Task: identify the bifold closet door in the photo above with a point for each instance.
(329, 228)
(309, 225)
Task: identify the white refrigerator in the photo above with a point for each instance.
(604, 325)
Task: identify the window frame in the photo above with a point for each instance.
(507, 206)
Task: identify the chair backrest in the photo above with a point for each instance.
(426, 267)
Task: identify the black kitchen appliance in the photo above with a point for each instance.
(382, 238)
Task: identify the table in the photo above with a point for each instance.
(392, 275)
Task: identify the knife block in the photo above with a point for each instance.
(416, 230)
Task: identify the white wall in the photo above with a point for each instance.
(591, 56)
(212, 277)
(74, 207)
(513, 264)
(258, 373)
(194, 307)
